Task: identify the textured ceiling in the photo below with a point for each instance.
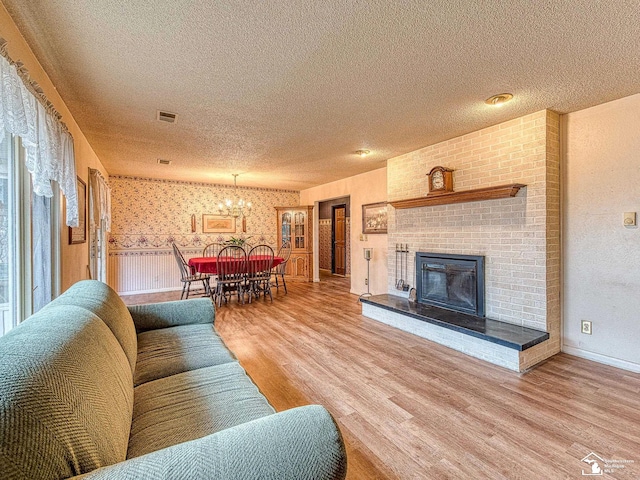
(285, 92)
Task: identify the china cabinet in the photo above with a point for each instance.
(295, 224)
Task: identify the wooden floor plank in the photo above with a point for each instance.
(409, 408)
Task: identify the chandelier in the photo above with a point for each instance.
(237, 207)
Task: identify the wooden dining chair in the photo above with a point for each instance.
(259, 262)
(231, 267)
(187, 277)
(280, 270)
(212, 249)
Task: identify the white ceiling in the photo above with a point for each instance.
(284, 92)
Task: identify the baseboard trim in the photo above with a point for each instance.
(604, 359)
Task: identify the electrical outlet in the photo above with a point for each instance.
(586, 327)
(366, 281)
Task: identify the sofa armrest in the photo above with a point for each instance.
(298, 444)
(171, 314)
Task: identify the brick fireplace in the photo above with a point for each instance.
(517, 236)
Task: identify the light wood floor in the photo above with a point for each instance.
(409, 408)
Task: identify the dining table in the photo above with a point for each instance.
(210, 264)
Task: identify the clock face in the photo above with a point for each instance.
(437, 180)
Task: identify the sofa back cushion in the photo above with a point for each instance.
(66, 395)
(103, 301)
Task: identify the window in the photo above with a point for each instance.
(29, 262)
(8, 303)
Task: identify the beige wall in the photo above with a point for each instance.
(601, 256)
(74, 258)
(519, 237)
(370, 187)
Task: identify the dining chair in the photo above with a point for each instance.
(259, 263)
(280, 270)
(187, 277)
(212, 249)
(231, 267)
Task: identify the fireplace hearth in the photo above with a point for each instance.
(454, 282)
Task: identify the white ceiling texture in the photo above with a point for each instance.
(285, 92)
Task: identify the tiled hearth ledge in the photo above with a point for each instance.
(497, 342)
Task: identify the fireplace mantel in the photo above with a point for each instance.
(488, 193)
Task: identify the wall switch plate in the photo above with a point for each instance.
(629, 219)
(586, 327)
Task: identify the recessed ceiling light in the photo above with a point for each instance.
(363, 153)
(499, 100)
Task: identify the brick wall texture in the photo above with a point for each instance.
(519, 237)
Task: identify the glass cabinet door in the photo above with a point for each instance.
(299, 233)
(286, 227)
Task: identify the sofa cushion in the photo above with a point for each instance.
(153, 316)
(103, 301)
(66, 395)
(168, 351)
(192, 405)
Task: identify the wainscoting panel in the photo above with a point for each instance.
(144, 271)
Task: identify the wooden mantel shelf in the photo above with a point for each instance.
(488, 193)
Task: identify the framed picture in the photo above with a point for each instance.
(79, 234)
(374, 218)
(218, 224)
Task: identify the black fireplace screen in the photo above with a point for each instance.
(455, 282)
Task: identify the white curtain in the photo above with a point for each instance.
(41, 251)
(25, 112)
(99, 224)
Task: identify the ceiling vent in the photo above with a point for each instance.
(167, 117)
(164, 162)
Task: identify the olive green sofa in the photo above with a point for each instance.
(93, 389)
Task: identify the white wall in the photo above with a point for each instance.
(370, 187)
(601, 256)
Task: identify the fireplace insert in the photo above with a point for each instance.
(455, 282)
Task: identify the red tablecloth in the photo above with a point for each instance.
(209, 264)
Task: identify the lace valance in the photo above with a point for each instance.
(27, 113)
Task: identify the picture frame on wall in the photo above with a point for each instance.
(79, 234)
(218, 224)
(374, 218)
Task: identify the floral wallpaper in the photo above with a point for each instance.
(324, 242)
(150, 214)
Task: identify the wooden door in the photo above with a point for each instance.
(339, 242)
